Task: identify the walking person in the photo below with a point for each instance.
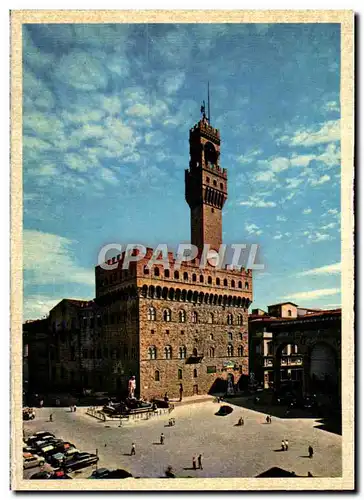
(194, 463)
(162, 438)
(74, 407)
(267, 419)
(199, 458)
(283, 445)
(51, 417)
(310, 451)
(132, 449)
(71, 408)
(180, 391)
(286, 444)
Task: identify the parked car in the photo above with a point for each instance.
(99, 473)
(38, 436)
(30, 461)
(81, 460)
(50, 475)
(104, 473)
(28, 414)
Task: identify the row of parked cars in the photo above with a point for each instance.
(44, 447)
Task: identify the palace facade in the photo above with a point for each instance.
(167, 326)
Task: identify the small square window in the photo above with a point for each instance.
(167, 332)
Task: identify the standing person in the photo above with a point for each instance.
(132, 449)
(180, 391)
(162, 438)
(199, 458)
(310, 451)
(51, 417)
(286, 444)
(71, 408)
(283, 445)
(74, 407)
(267, 419)
(194, 463)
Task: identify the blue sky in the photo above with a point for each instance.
(106, 116)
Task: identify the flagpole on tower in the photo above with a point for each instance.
(208, 102)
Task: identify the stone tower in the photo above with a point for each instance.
(205, 185)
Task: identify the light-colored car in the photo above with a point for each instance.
(30, 461)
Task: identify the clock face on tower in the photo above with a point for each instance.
(213, 258)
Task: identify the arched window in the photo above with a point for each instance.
(146, 270)
(221, 185)
(229, 319)
(152, 351)
(167, 315)
(240, 336)
(180, 374)
(232, 284)
(176, 275)
(225, 282)
(208, 180)
(182, 352)
(194, 373)
(185, 276)
(230, 336)
(211, 318)
(182, 316)
(215, 183)
(194, 317)
(156, 271)
(230, 350)
(212, 352)
(211, 336)
(240, 319)
(194, 353)
(240, 350)
(201, 278)
(289, 312)
(168, 352)
(209, 280)
(218, 281)
(166, 273)
(194, 277)
(151, 314)
(156, 375)
(240, 284)
(246, 285)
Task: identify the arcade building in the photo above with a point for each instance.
(183, 325)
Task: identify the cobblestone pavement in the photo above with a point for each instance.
(228, 450)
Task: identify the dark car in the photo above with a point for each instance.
(80, 461)
(99, 473)
(37, 436)
(50, 475)
(104, 473)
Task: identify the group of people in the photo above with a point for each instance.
(284, 445)
(199, 462)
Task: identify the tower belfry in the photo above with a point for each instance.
(205, 183)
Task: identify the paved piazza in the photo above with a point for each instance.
(228, 450)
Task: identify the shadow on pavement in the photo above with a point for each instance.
(330, 425)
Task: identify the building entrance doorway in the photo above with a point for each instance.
(195, 390)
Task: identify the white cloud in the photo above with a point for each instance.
(331, 225)
(293, 183)
(279, 164)
(278, 236)
(313, 294)
(49, 260)
(307, 211)
(265, 176)
(249, 156)
(320, 180)
(329, 269)
(328, 131)
(281, 218)
(256, 202)
(331, 106)
(253, 229)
